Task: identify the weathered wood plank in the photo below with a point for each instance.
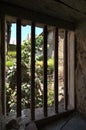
(75, 66)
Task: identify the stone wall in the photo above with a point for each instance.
(0, 82)
(81, 67)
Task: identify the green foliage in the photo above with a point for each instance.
(39, 64)
(11, 58)
(9, 63)
(50, 62)
(50, 65)
(39, 42)
(26, 52)
(12, 54)
(50, 97)
(26, 76)
(26, 99)
(11, 98)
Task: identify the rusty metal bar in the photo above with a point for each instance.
(66, 70)
(56, 70)
(18, 39)
(33, 71)
(3, 49)
(45, 71)
(8, 33)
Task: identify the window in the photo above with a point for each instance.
(38, 71)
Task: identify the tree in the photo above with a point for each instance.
(26, 76)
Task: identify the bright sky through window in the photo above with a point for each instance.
(26, 30)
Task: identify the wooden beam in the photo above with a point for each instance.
(75, 67)
(45, 71)
(33, 71)
(56, 70)
(66, 70)
(37, 17)
(3, 89)
(18, 39)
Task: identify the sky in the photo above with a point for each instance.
(25, 30)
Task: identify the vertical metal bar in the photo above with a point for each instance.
(45, 71)
(66, 71)
(56, 70)
(18, 34)
(8, 33)
(33, 71)
(3, 92)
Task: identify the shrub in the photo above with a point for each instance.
(26, 76)
(50, 66)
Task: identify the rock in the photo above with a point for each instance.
(31, 126)
(12, 125)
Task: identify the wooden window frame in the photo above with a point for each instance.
(33, 69)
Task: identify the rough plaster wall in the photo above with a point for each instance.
(81, 68)
(0, 85)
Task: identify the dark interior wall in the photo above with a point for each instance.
(37, 17)
(81, 67)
